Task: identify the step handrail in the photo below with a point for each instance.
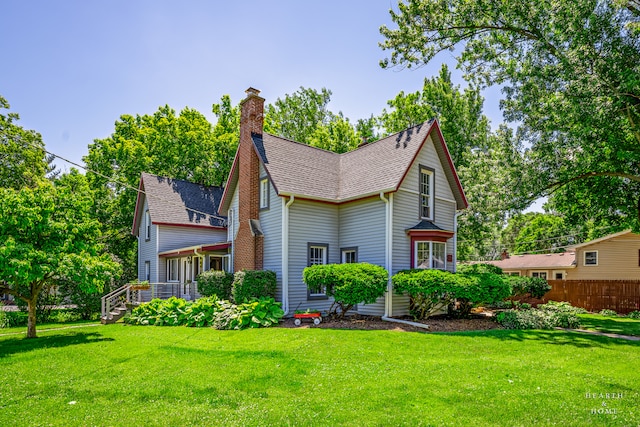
(108, 301)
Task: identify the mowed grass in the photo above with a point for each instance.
(615, 325)
(175, 376)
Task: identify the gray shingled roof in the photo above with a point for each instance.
(306, 171)
(178, 202)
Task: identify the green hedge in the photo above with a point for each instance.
(348, 284)
(250, 284)
(214, 282)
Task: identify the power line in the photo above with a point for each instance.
(129, 187)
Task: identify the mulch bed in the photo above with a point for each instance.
(436, 324)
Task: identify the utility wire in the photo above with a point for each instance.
(127, 186)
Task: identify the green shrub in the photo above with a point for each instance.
(482, 287)
(255, 314)
(348, 284)
(608, 313)
(213, 282)
(534, 286)
(250, 284)
(4, 319)
(87, 304)
(563, 307)
(16, 318)
(537, 319)
(634, 315)
(47, 300)
(430, 290)
(479, 269)
(207, 311)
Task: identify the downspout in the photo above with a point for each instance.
(455, 241)
(285, 253)
(387, 256)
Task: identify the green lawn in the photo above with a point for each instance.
(616, 325)
(176, 376)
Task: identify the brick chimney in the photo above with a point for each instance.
(504, 255)
(248, 248)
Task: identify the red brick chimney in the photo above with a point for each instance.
(248, 248)
(504, 255)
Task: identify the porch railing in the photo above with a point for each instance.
(136, 294)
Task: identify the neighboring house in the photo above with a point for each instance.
(180, 233)
(393, 203)
(613, 257)
(557, 266)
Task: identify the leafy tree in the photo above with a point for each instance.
(46, 235)
(569, 72)
(180, 146)
(487, 163)
(22, 156)
(535, 232)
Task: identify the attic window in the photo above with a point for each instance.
(591, 258)
(264, 193)
(147, 225)
(425, 187)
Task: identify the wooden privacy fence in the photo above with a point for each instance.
(623, 296)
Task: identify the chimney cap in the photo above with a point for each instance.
(252, 91)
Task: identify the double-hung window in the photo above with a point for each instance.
(349, 255)
(431, 255)
(147, 225)
(317, 254)
(591, 258)
(426, 192)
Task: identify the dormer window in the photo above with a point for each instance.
(426, 192)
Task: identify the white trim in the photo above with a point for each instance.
(264, 193)
(431, 194)
(584, 259)
(431, 242)
(554, 272)
(546, 273)
(285, 252)
(388, 298)
(444, 199)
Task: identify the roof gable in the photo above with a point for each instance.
(601, 239)
(178, 202)
(302, 170)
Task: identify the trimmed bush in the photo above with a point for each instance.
(608, 313)
(213, 282)
(484, 287)
(479, 269)
(430, 290)
(250, 284)
(563, 307)
(534, 286)
(634, 315)
(348, 284)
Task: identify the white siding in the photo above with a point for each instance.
(310, 222)
(362, 225)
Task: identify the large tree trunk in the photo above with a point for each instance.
(31, 325)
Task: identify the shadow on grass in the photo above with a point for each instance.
(551, 337)
(23, 345)
(611, 325)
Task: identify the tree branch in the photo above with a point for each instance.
(557, 185)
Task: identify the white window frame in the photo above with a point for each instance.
(584, 258)
(429, 195)
(512, 273)
(230, 225)
(147, 225)
(317, 260)
(539, 273)
(345, 251)
(147, 270)
(430, 261)
(562, 272)
(264, 193)
(173, 265)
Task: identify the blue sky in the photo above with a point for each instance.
(71, 68)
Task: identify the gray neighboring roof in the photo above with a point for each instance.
(302, 170)
(542, 261)
(179, 202)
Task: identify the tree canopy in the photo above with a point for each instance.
(570, 75)
(22, 157)
(47, 234)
